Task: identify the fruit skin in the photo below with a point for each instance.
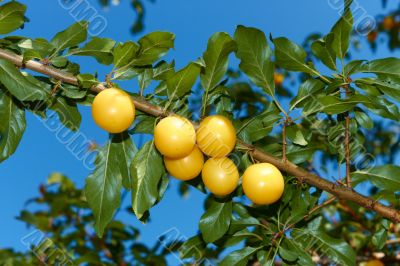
(388, 23)
(185, 168)
(220, 176)
(278, 79)
(113, 110)
(263, 183)
(174, 137)
(372, 36)
(216, 136)
(374, 263)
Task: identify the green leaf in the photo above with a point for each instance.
(387, 85)
(12, 125)
(255, 57)
(87, 80)
(385, 66)
(323, 50)
(72, 36)
(12, 17)
(342, 33)
(145, 78)
(147, 170)
(379, 238)
(129, 150)
(59, 61)
(153, 46)
(220, 45)
(35, 48)
(67, 112)
(259, 126)
(163, 70)
(214, 223)
(363, 120)
(103, 186)
(124, 53)
(333, 105)
(296, 135)
(99, 48)
(183, 80)
(18, 85)
(291, 56)
(338, 250)
(307, 92)
(239, 257)
(384, 177)
(287, 255)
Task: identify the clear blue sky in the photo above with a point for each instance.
(193, 22)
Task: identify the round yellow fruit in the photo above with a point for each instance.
(113, 110)
(388, 23)
(220, 176)
(174, 137)
(263, 183)
(374, 263)
(185, 168)
(216, 136)
(278, 79)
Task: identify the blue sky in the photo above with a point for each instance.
(193, 22)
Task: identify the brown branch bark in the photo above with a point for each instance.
(286, 166)
(347, 143)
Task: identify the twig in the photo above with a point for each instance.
(258, 154)
(305, 217)
(347, 143)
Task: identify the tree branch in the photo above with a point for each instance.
(286, 166)
(347, 143)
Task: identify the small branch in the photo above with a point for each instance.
(284, 144)
(347, 143)
(305, 217)
(393, 241)
(258, 154)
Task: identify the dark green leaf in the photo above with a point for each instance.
(214, 223)
(72, 36)
(147, 170)
(307, 91)
(255, 57)
(385, 177)
(12, 16)
(337, 250)
(182, 81)
(220, 45)
(296, 135)
(12, 125)
(239, 257)
(363, 120)
(103, 186)
(323, 50)
(153, 46)
(67, 112)
(18, 85)
(124, 53)
(379, 238)
(99, 48)
(291, 56)
(342, 32)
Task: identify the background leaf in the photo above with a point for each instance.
(12, 125)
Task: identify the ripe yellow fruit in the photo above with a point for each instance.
(113, 110)
(220, 176)
(216, 136)
(185, 168)
(374, 263)
(278, 79)
(263, 183)
(388, 23)
(174, 137)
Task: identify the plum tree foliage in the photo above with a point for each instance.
(346, 118)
